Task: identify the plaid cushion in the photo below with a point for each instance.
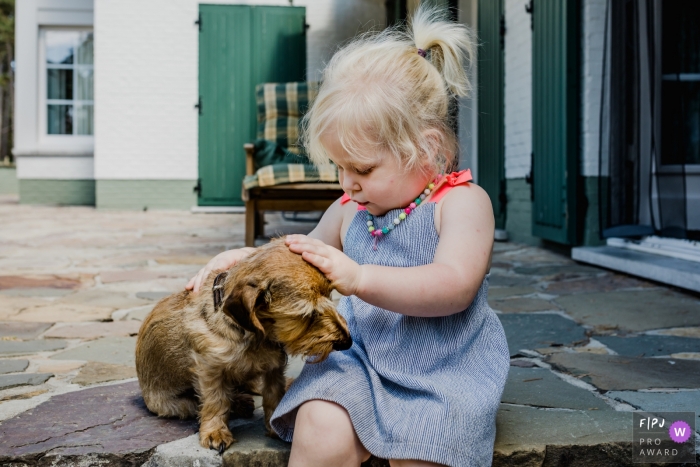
(278, 174)
(280, 107)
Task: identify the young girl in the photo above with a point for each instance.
(410, 251)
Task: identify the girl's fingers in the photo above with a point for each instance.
(319, 261)
(308, 248)
(297, 239)
(198, 282)
(190, 285)
(289, 239)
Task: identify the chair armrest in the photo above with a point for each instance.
(249, 158)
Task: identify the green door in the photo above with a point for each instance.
(491, 173)
(555, 119)
(239, 46)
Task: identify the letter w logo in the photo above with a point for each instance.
(680, 431)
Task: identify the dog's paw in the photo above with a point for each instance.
(271, 434)
(243, 406)
(217, 440)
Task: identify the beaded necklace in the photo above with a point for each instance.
(378, 233)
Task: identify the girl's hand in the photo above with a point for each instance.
(343, 272)
(219, 262)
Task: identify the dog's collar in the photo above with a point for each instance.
(218, 289)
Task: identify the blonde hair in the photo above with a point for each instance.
(379, 94)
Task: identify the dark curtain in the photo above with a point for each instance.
(641, 192)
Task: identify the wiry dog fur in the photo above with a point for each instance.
(195, 357)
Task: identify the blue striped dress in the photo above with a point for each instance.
(415, 388)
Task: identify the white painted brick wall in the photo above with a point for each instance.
(591, 81)
(468, 106)
(55, 168)
(146, 76)
(518, 89)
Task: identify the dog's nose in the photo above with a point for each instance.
(343, 345)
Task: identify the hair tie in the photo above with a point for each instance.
(421, 52)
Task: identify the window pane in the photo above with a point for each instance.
(84, 49)
(84, 83)
(680, 88)
(60, 46)
(60, 83)
(680, 122)
(60, 120)
(681, 36)
(84, 119)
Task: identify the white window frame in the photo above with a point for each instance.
(44, 136)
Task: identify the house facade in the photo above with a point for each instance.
(106, 94)
(109, 94)
(590, 137)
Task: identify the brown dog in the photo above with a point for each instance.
(204, 354)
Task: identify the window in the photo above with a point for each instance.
(69, 82)
(680, 119)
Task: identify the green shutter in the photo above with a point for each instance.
(491, 173)
(239, 47)
(555, 119)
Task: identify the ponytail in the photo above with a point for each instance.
(449, 44)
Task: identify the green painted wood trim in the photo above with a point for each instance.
(146, 194)
(519, 212)
(491, 131)
(57, 192)
(8, 181)
(555, 124)
(519, 215)
(240, 46)
(589, 212)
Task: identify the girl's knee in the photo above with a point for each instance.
(324, 420)
(322, 426)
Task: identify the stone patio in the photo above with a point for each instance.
(588, 346)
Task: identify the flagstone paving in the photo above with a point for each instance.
(11, 347)
(94, 330)
(659, 401)
(13, 366)
(10, 329)
(613, 372)
(640, 310)
(650, 345)
(588, 346)
(115, 350)
(534, 330)
(539, 387)
(23, 379)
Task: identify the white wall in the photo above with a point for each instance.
(591, 81)
(56, 168)
(69, 157)
(518, 89)
(146, 78)
(468, 106)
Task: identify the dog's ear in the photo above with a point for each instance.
(242, 305)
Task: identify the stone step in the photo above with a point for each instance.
(111, 424)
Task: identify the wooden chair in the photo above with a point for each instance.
(280, 106)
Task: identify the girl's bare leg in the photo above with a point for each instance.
(324, 436)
